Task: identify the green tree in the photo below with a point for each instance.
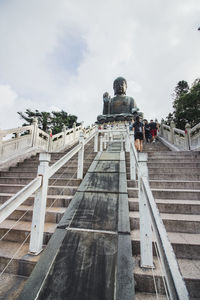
(187, 106)
(49, 120)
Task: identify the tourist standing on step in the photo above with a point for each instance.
(153, 130)
(139, 134)
(147, 131)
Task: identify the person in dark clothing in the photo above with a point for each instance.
(138, 129)
(147, 131)
(153, 130)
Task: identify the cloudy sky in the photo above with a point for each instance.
(64, 54)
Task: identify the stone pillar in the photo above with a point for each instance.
(1, 143)
(161, 127)
(188, 136)
(172, 126)
(145, 219)
(39, 209)
(35, 132)
(80, 157)
(96, 140)
(74, 130)
(64, 135)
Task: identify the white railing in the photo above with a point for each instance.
(177, 139)
(149, 217)
(19, 142)
(39, 186)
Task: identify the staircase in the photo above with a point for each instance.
(175, 183)
(62, 187)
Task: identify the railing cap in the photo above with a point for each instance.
(44, 156)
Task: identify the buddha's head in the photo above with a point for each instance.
(120, 86)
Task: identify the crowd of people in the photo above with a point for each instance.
(144, 131)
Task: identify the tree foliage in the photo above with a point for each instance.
(186, 104)
(47, 121)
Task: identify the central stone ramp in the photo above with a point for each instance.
(89, 256)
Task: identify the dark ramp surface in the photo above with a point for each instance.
(89, 255)
(86, 270)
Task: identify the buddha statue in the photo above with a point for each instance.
(120, 107)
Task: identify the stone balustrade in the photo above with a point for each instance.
(20, 143)
(180, 140)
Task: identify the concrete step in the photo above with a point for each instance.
(22, 262)
(52, 190)
(190, 270)
(173, 222)
(182, 194)
(68, 167)
(22, 229)
(185, 245)
(174, 164)
(25, 212)
(55, 200)
(149, 296)
(11, 286)
(171, 206)
(192, 171)
(185, 176)
(52, 181)
(167, 184)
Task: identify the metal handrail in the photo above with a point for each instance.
(11, 204)
(175, 283)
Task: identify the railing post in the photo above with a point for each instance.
(101, 142)
(161, 127)
(145, 219)
(80, 157)
(50, 145)
(37, 228)
(132, 160)
(188, 136)
(74, 130)
(127, 143)
(172, 126)
(1, 143)
(64, 135)
(96, 140)
(35, 132)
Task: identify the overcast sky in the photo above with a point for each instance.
(64, 54)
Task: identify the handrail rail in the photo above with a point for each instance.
(176, 284)
(63, 160)
(11, 204)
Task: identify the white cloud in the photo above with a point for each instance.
(7, 97)
(153, 44)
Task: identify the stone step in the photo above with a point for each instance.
(144, 280)
(173, 222)
(182, 194)
(52, 190)
(185, 176)
(11, 286)
(171, 206)
(22, 262)
(30, 174)
(185, 245)
(52, 181)
(55, 200)
(67, 168)
(149, 296)
(22, 229)
(53, 214)
(167, 184)
(187, 165)
(192, 171)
